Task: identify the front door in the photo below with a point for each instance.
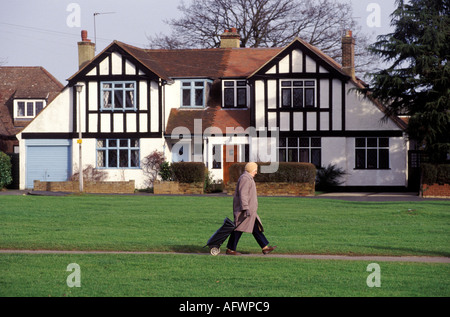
(231, 154)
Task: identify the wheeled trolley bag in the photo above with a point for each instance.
(220, 236)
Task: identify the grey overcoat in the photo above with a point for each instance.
(245, 198)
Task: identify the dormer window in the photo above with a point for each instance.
(28, 109)
(234, 94)
(194, 92)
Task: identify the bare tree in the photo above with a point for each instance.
(266, 23)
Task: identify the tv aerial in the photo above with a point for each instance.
(95, 30)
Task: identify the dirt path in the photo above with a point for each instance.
(373, 258)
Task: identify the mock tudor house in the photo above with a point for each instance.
(213, 105)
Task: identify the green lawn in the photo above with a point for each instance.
(166, 223)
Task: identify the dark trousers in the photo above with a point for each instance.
(236, 235)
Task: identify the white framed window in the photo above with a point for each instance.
(28, 108)
(298, 93)
(118, 95)
(234, 94)
(294, 149)
(194, 92)
(118, 153)
(371, 153)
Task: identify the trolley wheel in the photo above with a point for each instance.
(214, 251)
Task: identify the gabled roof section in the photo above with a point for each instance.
(326, 61)
(19, 82)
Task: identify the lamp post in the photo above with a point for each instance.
(79, 88)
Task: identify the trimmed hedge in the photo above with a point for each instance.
(432, 174)
(188, 172)
(287, 173)
(5, 170)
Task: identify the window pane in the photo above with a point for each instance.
(309, 83)
(229, 97)
(134, 143)
(123, 143)
(383, 158)
(372, 158)
(371, 142)
(286, 84)
(360, 160)
(118, 99)
(101, 158)
(30, 109)
(123, 158)
(129, 95)
(39, 106)
(21, 109)
(292, 155)
(199, 97)
(298, 97)
(112, 143)
(316, 142)
(383, 142)
(186, 97)
(304, 155)
(241, 83)
(282, 142)
(282, 155)
(199, 84)
(229, 83)
(298, 83)
(286, 97)
(304, 142)
(101, 143)
(134, 158)
(292, 142)
(217, 159)
(316, 157)
(360, 142)
(106, 99)
(241, 97)
(186, 84)
(112, 158)
(309, 97)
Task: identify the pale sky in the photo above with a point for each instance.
(45, 32)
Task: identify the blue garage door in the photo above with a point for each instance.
(47, 160)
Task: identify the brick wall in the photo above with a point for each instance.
(436, 191)
(88, 187)
(278, 189)
(175, 188)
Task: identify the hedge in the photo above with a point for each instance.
(287, 173)
(432, 174)
(188, 172)
(5, 170)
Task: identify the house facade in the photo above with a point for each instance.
(217, 106)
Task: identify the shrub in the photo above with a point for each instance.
(165, 171)
(151, 165)
(286, 173)
(5, 170)
(90, 174)
(188, 172)
(328, 177)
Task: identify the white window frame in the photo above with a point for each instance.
(26, 104)
(304, 87)
(192, 88)
(113, 88)
(235, 88)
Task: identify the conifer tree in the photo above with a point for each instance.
(417, 82)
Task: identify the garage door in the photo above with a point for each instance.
(47, 160)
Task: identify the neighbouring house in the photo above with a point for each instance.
(215, 106)
(24, 93)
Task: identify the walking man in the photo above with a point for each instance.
(245, 206)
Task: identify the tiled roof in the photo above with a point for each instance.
(23, 83)
(211, 117)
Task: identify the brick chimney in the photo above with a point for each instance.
(230, 39)
(86, 50)
(348, 54)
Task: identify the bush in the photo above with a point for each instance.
(432, 174)
(166, 172)
(5, 170)
(286, 173)
(188, 172)
(328, 177)
(151, 165)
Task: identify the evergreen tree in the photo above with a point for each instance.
(417, 84)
